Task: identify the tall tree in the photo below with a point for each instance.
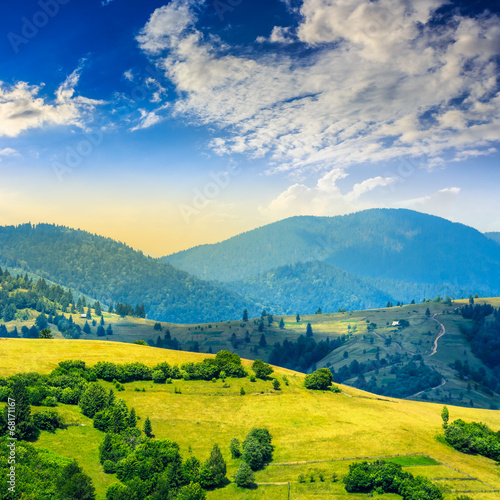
(245, 315)
(148, 428)
(309, 330)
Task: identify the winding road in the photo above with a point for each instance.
(441, 333)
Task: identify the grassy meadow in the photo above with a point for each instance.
(307, 426)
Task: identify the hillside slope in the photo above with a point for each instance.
(111, 271)
(389, 244)
(306, 426)
(306, 286)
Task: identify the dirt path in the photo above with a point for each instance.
(441, 333)
(443, 381)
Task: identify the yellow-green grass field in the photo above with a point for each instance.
(305, 425)
(363, 345)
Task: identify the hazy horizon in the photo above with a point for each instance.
(172, 124)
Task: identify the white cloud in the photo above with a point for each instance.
(439, 203)
(128, 75)
(279, 34)
(325, 198)
(149, 118)
(106, 2)
(378, 84)
(9, 152)
(22, 109)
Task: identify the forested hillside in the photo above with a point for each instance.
(111, 272)
(389, 244)
(305, 287)
(493, 236)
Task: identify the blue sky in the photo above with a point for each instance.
(171, 124)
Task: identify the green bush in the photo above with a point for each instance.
(319, 380)
(48, 420)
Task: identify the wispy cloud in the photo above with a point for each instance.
(381, 82)
(21, 107)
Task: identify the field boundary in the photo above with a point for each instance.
(438, 462)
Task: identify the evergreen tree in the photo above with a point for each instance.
(101, 332)
(132, 419)
(244, 475)
(262, 341)
(297, 318)
(309, 331)
(148, 429)
(234, 448)
(282, 324)
(245, 315)
(261, 326)
(445, 415)
(217, 466)
(89, 313)
(97, 308)
(86, 328)
(102, 321)
(109, 330)
(72, 483)
(25, 429)
(93, 400)
(428, 312)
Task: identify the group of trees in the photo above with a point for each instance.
(386, 477)
(483, 335)
(410, 378)
(473, 437)
(305, 352)
(42, 474)
(255, 452)
(127, 310)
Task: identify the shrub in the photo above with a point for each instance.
(319, 380)
(109, 467)
(234, 448)
(48, 420)
(244, 475)
(159, 377)
(262, 370)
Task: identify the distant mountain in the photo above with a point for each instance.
(493, 236)
(305, 287)
(397, 245)
(111, 272)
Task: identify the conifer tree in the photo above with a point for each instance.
(148, 429)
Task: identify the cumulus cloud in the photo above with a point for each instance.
(22, 109)
(279, 34)
(381, 82)
(325, 198)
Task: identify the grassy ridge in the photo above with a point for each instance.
(306, 425)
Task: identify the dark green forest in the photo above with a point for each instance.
(110, 271)
(383, 244)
